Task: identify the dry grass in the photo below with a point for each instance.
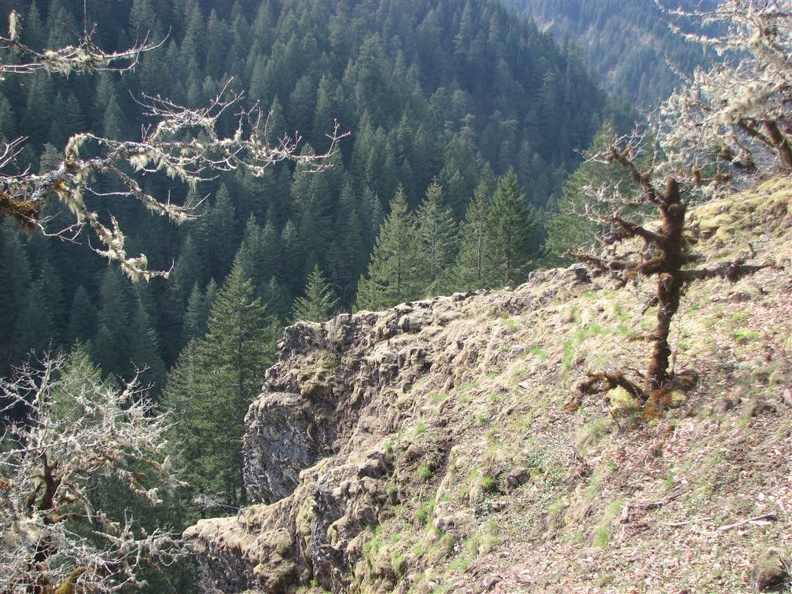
(517, 495)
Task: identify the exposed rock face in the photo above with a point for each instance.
(428, 446)
(313, 443)
(336, 390)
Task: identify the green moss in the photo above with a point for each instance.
(488, 483)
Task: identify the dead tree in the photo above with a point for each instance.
(666, 256)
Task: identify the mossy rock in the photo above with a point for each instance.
(771, 572)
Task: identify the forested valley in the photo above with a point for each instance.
(628, 46)
(464, 124)
(439, 99)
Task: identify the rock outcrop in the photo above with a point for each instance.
(426, 448)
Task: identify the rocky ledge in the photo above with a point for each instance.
(426, 448)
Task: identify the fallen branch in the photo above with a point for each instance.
(625, 515)
(762, 520)
(686, 522)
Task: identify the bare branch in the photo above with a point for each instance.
(181, 142)
(736, 113)
(77, 428)
(83, 57)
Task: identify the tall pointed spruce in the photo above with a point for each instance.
(210, 389)
(469, 268)
(437, 232)
(511, 226)
(319, 300)
(394, 270)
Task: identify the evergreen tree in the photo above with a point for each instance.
(318, 302)
(214, 382)
(15, 280)
(511, 227)
(195, 316)
(575, 226)
(395, 270)
(82, 318)
(346, 255)
(144, 349)
(8, 120)
(473, 242)
(35, 326)
(112, 340)
(216, 233)
(437, 232)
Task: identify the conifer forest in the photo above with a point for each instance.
(433, 147)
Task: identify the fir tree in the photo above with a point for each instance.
(82, 317)
(318, 302)
(394, 272)
(511, 227)
(214, 382)
(473, 242)
(437, 233)
(575, 226)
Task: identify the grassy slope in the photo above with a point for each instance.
(498, 488)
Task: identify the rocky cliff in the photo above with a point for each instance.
(426, 448)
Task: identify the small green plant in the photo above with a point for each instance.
(576, 536)
(568, 355)
(746, 335)
(482, 418)
(461, 563)
(539, 352)
(603, 580)
(398, 563)
(373, 545)
(601, 538)
(488, 483)
(439, 397)
(425, 472)
(423, 514)
(420, 428)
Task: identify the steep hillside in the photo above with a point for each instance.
(426, 448)
(627, 45)
(430, 91)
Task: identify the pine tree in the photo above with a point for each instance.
(82, 318)
(214, 382)
(318, 302)
(112, 340)
(395, 269)
(215, 235)
(15, 280)
(511, 228)
(35, 326)
(469, 268)
(575, 226)
(195, 316)
(144, 349)
(437, 232)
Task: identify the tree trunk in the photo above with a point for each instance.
(669, 283)
(781, 145)
(669, 292)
